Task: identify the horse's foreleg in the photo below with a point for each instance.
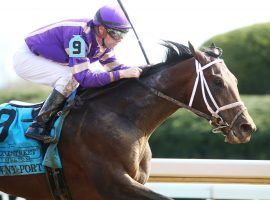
(126, 188)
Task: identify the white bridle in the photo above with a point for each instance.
(216, 120)
(204, 85)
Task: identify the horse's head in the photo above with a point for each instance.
(219, 96)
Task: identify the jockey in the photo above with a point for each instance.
(45, 59)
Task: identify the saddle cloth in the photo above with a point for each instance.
(20, 155)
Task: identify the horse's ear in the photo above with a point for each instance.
(213, 46)
(191, 48)
(198, 55)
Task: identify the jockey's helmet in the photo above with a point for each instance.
(112, 17)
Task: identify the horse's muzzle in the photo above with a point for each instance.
(242, 135)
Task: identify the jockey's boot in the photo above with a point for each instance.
(51, 106)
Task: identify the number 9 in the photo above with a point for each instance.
(77, 46)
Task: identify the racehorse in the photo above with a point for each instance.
(104, 144)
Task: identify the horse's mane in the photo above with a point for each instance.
(175, 53)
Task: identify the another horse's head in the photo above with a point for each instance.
(219, 96)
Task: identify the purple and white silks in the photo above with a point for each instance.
(52, 42)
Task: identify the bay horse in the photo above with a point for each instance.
(104, 144)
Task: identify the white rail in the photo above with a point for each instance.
(210, 170)
(212, 191)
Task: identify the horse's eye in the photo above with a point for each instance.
(218, 82)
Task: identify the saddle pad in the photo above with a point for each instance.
(18, 154)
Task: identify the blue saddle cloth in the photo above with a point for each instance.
(20, 155)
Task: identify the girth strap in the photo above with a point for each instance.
(58, 186)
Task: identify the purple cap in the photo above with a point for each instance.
(111, 17)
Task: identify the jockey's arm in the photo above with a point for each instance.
(110, 63)
(80, 68)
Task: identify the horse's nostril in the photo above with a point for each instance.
(248, 128)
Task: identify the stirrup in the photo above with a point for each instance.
(43, 138)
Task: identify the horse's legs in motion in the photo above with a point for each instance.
(127, 188)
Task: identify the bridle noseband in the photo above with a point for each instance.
(214, 119)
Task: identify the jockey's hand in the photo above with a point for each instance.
(133, 72)
(146, 66)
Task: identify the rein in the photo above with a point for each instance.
(174, 101)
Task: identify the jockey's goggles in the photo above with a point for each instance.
(116, 34)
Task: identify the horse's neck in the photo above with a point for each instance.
(146, 110)
(174, 82)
